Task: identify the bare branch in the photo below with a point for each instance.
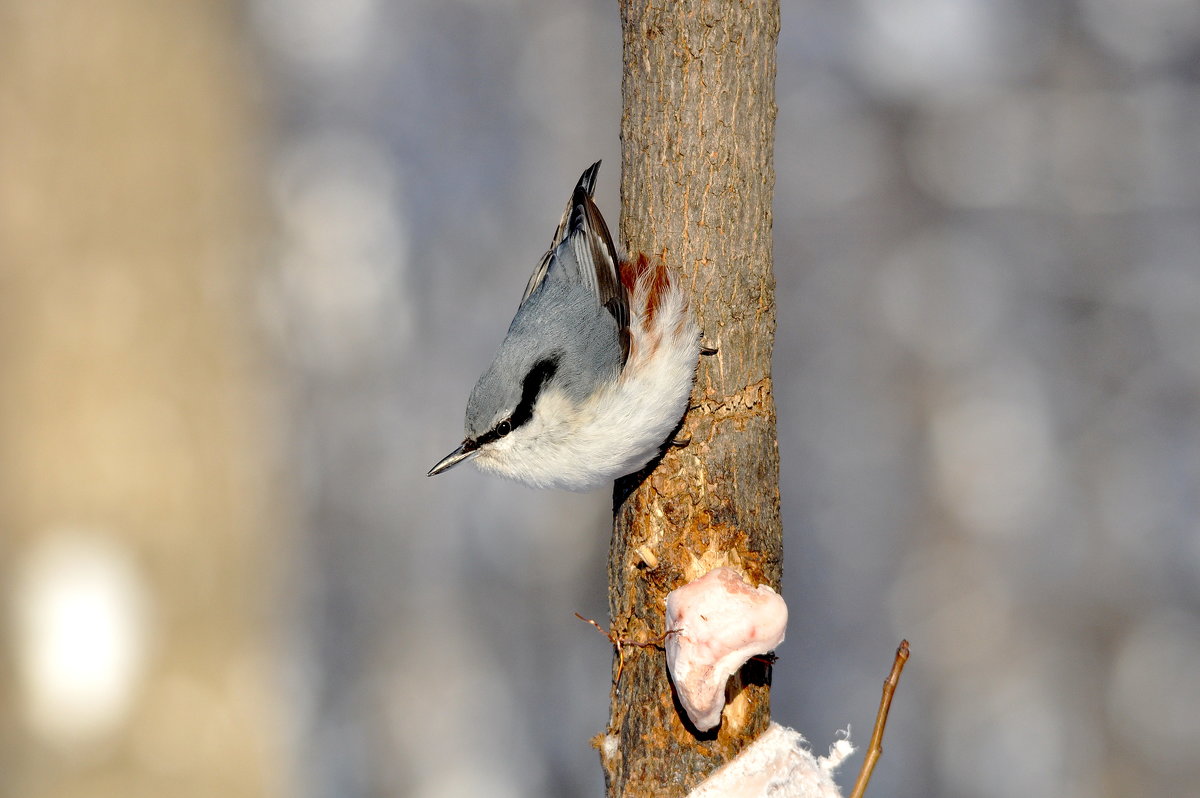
(875, 750)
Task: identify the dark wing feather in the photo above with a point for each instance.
(592, 246)
(583, 229)
(587, 183)
(603, 256)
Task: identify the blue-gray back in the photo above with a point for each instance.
(570, 331)
(561, 320)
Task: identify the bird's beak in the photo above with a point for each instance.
(463, 452)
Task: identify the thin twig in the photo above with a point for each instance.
(620, 642)
(885, 704)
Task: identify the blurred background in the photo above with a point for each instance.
(253, 256)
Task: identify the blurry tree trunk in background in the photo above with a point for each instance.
(136, 534)
(697, 134)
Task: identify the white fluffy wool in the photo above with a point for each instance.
(777, 765)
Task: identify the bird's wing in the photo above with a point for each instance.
(589, 254)
(587, 183)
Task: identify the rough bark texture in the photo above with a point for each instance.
(697, 178)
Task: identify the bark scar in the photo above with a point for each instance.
(736, 404)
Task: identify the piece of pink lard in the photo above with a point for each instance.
(719, 622)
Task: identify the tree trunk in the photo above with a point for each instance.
(697, 178)
(137, 535)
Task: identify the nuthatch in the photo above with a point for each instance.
(596, 369)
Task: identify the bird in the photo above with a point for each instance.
(596, 369)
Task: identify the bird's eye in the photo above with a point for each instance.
(503, 428)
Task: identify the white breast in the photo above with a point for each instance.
(622, 428)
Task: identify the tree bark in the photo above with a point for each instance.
(697, 133)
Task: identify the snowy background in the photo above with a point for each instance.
(987, 245)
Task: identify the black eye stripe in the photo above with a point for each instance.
(531, 386)
(539, 375)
